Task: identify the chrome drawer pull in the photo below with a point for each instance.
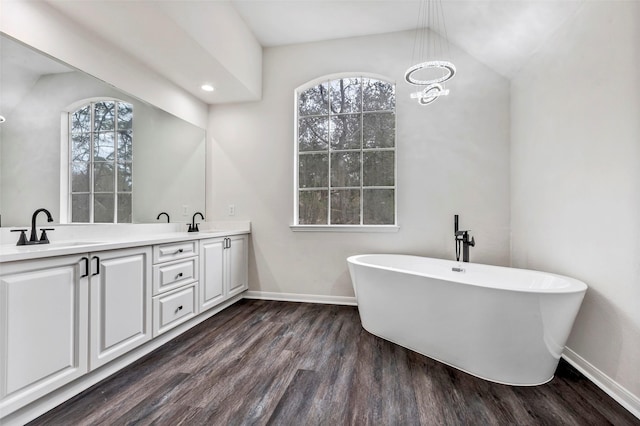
(179, 251)
(179, 309)
(179, 275)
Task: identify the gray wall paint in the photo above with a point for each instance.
(576, 177)
(40, 25)
(453, 157)
(169, 154)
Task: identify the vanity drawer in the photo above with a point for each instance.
(174, 251)
(171, 275)
(172, 309)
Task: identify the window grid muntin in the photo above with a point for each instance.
(388, 111)
(92, 132)
(331, 150)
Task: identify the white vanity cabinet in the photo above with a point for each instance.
(44, 317)
(223, 269)
(120, 294)
(69, 320)
(61, 317)
(175, 284)
(236, 264)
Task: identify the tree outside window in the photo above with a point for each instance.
(345, 150)
(101, 158)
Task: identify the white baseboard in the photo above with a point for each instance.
(307, 298)
(612, 388)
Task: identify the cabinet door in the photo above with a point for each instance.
(43, 328)
(211, 272)
(120, 293)
(236, 264)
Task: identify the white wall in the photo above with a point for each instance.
(453, 157)
(575, 206)
(39, 25)
(227, 40)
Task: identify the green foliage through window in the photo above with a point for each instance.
(346, 153)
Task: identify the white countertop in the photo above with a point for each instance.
(87, 238)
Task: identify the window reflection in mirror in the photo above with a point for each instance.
(166, 172)
(100, 170)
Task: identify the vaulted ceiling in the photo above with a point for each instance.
(190, 42)
(502, 33)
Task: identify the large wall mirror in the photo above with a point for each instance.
(167, 168)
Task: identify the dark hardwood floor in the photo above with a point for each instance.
(282, 363)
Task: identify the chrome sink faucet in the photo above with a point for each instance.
(33, 238)
(462, 239)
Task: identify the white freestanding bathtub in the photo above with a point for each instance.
(505, 325)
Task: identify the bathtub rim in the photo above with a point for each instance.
(575, 285)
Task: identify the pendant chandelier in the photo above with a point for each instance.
(429, 51)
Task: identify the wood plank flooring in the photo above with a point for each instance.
(282, 363)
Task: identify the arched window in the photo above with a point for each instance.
(100, 162)
(345, 170)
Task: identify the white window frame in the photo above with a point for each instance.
(65, 164)
(296, 226)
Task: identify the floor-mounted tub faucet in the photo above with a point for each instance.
(462, 239)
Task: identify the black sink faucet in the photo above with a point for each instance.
(33, 239)
(166, 214)
(462, 238)
(193, 226)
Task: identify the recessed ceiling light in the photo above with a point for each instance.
(207, 87)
